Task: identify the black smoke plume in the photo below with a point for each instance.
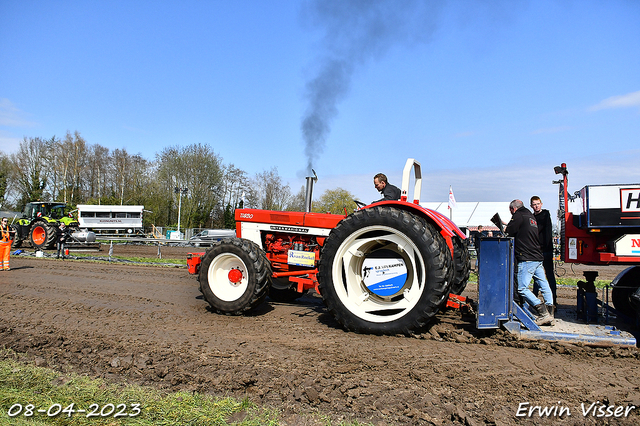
(355, 33)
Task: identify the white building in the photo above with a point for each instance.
(110, 217)
(469, 215)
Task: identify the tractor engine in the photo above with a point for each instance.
(278, 245)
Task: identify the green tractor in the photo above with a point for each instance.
(39, 223)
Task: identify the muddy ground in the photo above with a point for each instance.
(149, 325)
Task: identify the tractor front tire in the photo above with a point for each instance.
(42, 235)
(234, 276)
(384, 270)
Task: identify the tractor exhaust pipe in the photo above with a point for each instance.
(308, 196)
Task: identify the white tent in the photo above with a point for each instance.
(468, 215)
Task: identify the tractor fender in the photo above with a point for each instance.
(447, 228)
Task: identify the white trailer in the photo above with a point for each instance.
(110, 218)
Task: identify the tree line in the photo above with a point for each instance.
(72, 171)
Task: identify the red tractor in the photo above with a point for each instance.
(604, 230)
(387, 268)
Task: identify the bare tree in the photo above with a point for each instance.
(297, 201)
(270, 192)
(5, 173)
(69, 168)
(235, 183)
(31, 169)
(99, 164)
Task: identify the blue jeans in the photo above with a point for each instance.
(547, 263)
(529, 269)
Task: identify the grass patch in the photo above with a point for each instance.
(573, 282)
(22, 384)
(88, 257)
(104, 258)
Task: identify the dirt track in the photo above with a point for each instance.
(150, 325)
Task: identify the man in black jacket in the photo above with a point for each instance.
(62, 234)
(524, 229)
(545, 233)
(388, 191)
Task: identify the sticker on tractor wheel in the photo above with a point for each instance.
(384, 273)
(301, 258)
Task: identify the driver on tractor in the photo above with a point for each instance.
(388, 191)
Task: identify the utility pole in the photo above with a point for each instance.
(180, 191)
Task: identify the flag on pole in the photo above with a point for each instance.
(452, 199)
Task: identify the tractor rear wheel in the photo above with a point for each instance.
(384, 271)
(625, 285)
(461, 265)
(234, 276)
(42, 235)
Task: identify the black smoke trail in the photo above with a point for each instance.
(355, 33)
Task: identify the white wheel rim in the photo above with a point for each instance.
(349, 286)
(218, 277)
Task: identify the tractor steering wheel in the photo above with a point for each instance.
(360, 204)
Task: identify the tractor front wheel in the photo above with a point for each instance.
(42, 235)
(384, 271)
(234, 276)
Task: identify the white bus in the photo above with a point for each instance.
(110, 218)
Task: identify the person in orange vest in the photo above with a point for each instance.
(5, 243)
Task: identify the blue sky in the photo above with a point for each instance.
(488, 96)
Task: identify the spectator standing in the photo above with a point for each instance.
(524, 229)
(5, 243)
(545, 233)
(62, 234)
(480, 233)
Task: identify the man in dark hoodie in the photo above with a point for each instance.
(524, 229)
(545, 232)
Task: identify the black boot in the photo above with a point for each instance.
(543, 316)
(552, 311)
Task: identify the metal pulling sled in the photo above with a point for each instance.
(497, 307)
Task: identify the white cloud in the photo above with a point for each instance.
(11, 116)
(629, 100)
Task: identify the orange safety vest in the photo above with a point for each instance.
(5, 234)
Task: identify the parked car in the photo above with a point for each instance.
(208, 236)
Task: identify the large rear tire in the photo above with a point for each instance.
(234, 276)
(624, 285)
(461, 264)
(384, 271)
(42, 236)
